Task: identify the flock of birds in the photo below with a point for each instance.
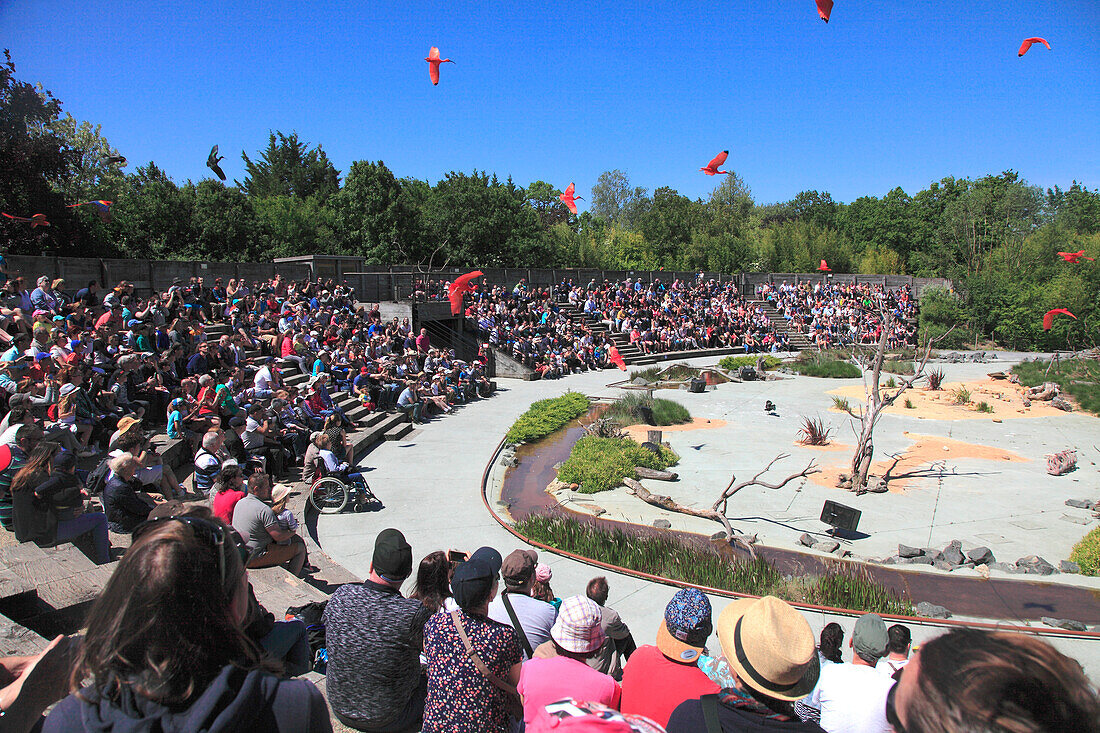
(568, 197)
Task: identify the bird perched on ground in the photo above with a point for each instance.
(1028, 42)
(769, 407)
(569, 199)
(433, 64)
(712, 167)
(212, 161)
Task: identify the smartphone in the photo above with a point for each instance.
(456, 556)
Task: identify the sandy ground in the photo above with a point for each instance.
(640, 433)
(1005, 398)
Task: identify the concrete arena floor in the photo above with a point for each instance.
(430, 486)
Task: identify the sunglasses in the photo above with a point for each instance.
(212, 534)
(891, 708)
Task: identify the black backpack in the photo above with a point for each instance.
(311, 615)
(97, 479)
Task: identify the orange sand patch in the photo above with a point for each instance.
(1006, 399)
(828, 447)
(917, 466)
(640, 432)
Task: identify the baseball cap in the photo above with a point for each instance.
(472, 579)
(238, 421)
(577, 627)
(686, 626)
(519, 566)
(869, 637)
(490, 556)
(392, 555)
(65, 460)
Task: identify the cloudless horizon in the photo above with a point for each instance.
(887, 94)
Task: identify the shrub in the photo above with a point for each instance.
(814, 432)
(841, 403)
(1086, 553)
(985, 407)
(828, 369)
(909, 404)
(649, 374)
(898, 366)
(935, 379)
(546, 416)
(890, 383)
(733, 363)
(961, 396)
(599, 464)
(668, 555)
(939, 310)
(628, 410)
(668, 412)
(1080, 378)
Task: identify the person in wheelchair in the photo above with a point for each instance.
(333, 465)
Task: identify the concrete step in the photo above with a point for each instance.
(399, 431)
(295, 379)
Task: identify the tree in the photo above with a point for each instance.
(543, 199)
(293, 226)
(372, 219)
(1077, 209)
(614, 201)
(667, 224)
(288, 167)
(153, 217)
(225, 225)
(91, 176)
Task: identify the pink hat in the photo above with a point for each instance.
(573, 715)
(543, 573)
(577, 628)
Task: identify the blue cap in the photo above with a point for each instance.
(686, 627)
(489, 556)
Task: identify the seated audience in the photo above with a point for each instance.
(852, 697)
(258, 525)
(618, 644)
(530, 617)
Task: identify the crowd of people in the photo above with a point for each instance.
(833, 314)
(482, 644)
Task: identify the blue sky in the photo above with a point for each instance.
(888, 93)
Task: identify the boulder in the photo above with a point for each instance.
(652, 448)
(1067, 624)
(1035, 565)
(925, 609)
(1068, 566)
(807, 540)
(827, 545)
(877, 486)
(907, 551)
(981, 556)
(1004, 567)
(943, 565)
(640, 381)
(842, 552)
(918, 560)
(662, 524)
(953, 555)
(718, 536)
(1061, 404)
(509, 460)
(1079, 503)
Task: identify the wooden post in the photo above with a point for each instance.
(654, 436)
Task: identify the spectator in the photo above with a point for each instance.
(234, 440)
(409, 402)
(618, 644)
(828, 652)
(898, 643)
(576, 635)
(995, 682)
(207, 462)
(124, 500)
(464, 695)
(259, 527)
(27, 438)
(30, 684)
(165, 649)
(530, 617)
(433, 581)
(542, 590)
(658, 678)
(374, 637)
(852, 697)
(770, 650)
(584, 715)
(229, 488)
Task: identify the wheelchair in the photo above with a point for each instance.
(331, 493)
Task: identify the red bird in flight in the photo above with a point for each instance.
(569, 199)
(433, 64)
(1029, 41)
(458, 288)
(1075, 257)
(1048, 318)
(823, 267)
(824, 7)
(36, 220)
(616, 358)
(716, 161)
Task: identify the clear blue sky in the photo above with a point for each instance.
(888, 93)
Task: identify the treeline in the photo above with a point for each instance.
(996, 236)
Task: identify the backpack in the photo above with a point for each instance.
(97, 479)
(311, 615)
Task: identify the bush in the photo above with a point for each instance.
(898, 366)
(813, 432)
(599, 464)
(841, 403)
(649, 374)
(890, 383)
(828, 369)
(628, 410)
(939, 311)
(546, 416)
(984, 407)
(1080, 378)
(909, 404)
(1086, 553)
(733, 363)
(961, 396)
(935, 379)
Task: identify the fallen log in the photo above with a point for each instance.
(655, 474)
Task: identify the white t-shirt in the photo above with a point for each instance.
(262, 380)
(852, 699)
(888, 666)
(535, 616)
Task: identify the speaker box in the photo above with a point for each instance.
(840, 516)
(748, 373)
(697, 385)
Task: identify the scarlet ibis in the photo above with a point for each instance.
(212, 161)
(616, 358)
(824, 7)
(35, 220)
(433, 64)
(1075, 257)
(823, 267)
(1029, 41)
(460, 286)
(103, 208)
(716, 161)
(569, 199)
(1048, 318)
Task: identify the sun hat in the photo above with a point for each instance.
(279, 492)
(869, 637)
(575, 715)
(577, 627)
(392, 555)
(686, 626)
(518, 567)
(472, 579)
(770, 647)
(128, 423)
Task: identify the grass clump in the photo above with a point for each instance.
(813, 432)
(649, 374)
(935, 380)
(841, 403)
(599, 464)
(909, 404)
(961, 396)
(634, 407)
(546, 416)
(890, 383)
(824, 364)
(984, 407)
(733, 363)
(1086, 553)
(1080, 378)
(670, 556)
(899, 366)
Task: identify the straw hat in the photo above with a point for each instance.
(770, 647)
(279, 493)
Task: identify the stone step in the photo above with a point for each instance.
(399, 431)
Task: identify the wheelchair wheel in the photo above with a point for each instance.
(328, 495)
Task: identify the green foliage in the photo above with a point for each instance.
(1086, 553)
(841, 403)
(599, 464)
(733, 363)
(820, 365)
(909, 404)
(890, 383)
(628, 409)
(939, 311)
(984, 407)
(546, 416)
(813, 432)
(1080, 378)
(288, 167)
(961, 396)
(935, 379)
(649, 374)
(898, 366)
(667, 555)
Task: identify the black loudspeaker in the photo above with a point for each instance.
(748, 373)
(839, 516)
(697, 385)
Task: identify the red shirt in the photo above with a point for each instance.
(653, 684)
(224, 502)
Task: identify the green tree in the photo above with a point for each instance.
(372, 218)
(225, 225)
(1077, 209)
(614, 201)
(543, 199)
(293, 226)
(289, 167)
(153, 217)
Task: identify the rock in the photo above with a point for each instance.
(598, 511)
(952, 554)
(983, 570)
(981, 556)
(1079, 503)
(1035, 565)
(807, 540)
(555, 486)
(931, 610)
(1004, 567)
(842, 552)
(877, 486)
(746, 539)
(1027, 403)
(719, 535)
(1061, 404)
(933, 553)
(558, 465)
(662, 524)
(1067, 624)
(892, 560)
(1068, 566)
(907, 551)
(652, 447)
(639, 381)
(919, 560)
(943, 565)
(509, 460)
(827, 545)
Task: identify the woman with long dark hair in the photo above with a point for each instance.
(165, 649)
